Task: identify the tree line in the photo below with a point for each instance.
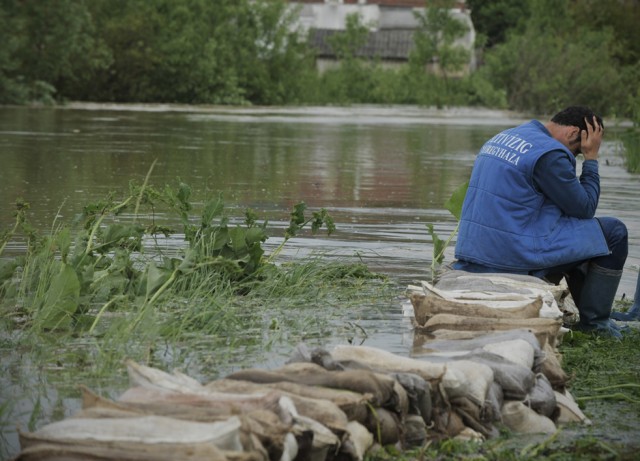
(536, 56)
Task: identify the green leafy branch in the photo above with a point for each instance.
(298, 221)
(454, 205)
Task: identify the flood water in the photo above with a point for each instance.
(383, 173)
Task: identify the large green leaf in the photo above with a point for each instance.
(438, 245)
(7, 269)
(212, 209)
(454, 204)
(61, 300)
(117, 234)
(238, 243)
(156, 277)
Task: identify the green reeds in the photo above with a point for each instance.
(631, 142)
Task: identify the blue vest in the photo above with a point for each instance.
(507, 223)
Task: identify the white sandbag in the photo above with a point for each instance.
(290, 449)
(323, 439)
(515, 380)
(462, 346)
(469, 435)
(497, 282)
(426, 307)
(141, 375)
(570, 412)
(497, 291)
(519, 418)
(379, 359)
(465, 378)
(542, 327)
(518, 351)
(359, 441)
(145, 430)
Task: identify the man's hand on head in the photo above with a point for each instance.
(590, 139)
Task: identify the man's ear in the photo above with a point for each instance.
(574, 134)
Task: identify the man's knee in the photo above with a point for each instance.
(615, 231)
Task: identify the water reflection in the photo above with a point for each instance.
(382, 172)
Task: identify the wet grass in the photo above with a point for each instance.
(631, 141)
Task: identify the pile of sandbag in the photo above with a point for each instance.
(506, 328)
(484, 357)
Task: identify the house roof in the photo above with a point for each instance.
(389, 44)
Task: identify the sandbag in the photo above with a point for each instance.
(517, 351)
(568, 410)
(382, 360)
(496, 291)
(426, 307)
(497, 283)
(542, 398)
(414, 431)
(145, 430)
(323, 441)
(465, 378)
(56, 451)
(515, 380)
(458, 378)
(196, 407)
(551, 367)
(519, 418)
(353, 404)
(486, 340)
(473, 416)
(323, 358)
(313, 402)
(418, 393)
(359, 441)
(362, 381)
(141, 375)
(492, 407)
(547, 328)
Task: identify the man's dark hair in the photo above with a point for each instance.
(575, 115)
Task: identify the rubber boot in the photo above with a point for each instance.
(634, 312)
(575, 281)
(596, 300)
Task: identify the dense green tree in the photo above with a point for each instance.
(47, 45)
(493, 19)
(621, 17)
(352, 80)
(543, 71)
(10, 90)
(198, 51)
(435, 39)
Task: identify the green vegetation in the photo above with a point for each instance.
(535, 56)
(122, 276)
(454, 205)
(155, 275)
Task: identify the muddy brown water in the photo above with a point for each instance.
(383, 173)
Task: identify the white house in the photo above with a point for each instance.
(391, 23)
